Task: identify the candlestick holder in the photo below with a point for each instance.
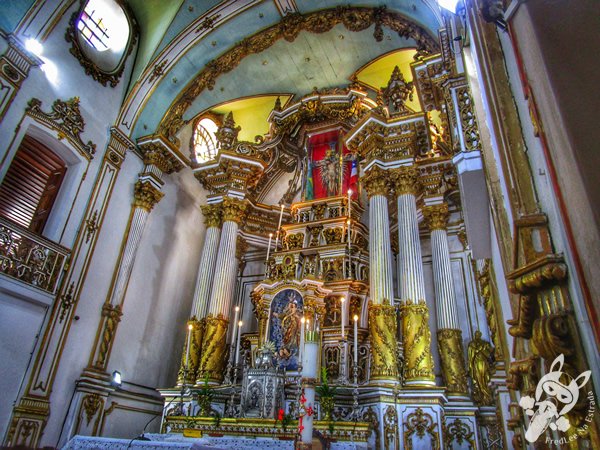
(229, 368)
(343, 376)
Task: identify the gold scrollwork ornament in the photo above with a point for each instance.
(382, 333)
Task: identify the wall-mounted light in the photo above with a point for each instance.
(116, 379)
(34, 46)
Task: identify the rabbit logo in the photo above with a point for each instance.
(560, 399)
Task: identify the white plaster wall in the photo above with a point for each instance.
(16, 341)
(151, 334)
(99, 107)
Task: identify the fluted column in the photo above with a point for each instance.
(381, 282)
(146, 195)
(382, 323)
(206, 271)
(416, 335)
(214, 341)
(449, 334)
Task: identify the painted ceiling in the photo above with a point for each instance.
(323, 60)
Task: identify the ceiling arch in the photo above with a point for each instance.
(176, 97)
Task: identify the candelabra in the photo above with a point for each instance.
(228, 379)
(343, 377)
(355, 392)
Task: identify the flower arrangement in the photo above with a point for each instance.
(285, 419)
(205, 396)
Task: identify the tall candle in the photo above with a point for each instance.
(235, 319)
(355, 339)
(237, 345)
(301, 347)
(187, 349)
(342, 312)
(269, 247)
(348, 223)
(349, 203)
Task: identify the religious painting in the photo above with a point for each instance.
(286, 313)
(332, 168)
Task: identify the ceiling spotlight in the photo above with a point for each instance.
(34, 46)
(116, 379)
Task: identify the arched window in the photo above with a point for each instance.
(205, 141)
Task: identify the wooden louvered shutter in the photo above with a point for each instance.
(31, 185)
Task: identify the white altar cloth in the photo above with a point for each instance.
(177, 441)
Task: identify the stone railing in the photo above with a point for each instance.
(29, 258)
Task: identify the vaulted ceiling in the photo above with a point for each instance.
(186, 36)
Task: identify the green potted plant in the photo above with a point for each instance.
(326, 395)
(205, 396)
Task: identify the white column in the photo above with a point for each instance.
(208, 260)
(223, 285)
(412, 283)
(139, 217)
(447, 313)
(381, 284)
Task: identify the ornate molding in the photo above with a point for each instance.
(89, 66)
(453, 362)
(436, 216)
(214, 345)
(353, 18)
(376, 181)
(398, 91)
(234, 210)
(66, 119)
(405, 180)
(382, 334)
(112, 317)
(146, 195)
(155, 153)
(212, 215)
(418, 423)
(416, 334)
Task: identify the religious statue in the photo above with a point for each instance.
(481, 368)
(329, 171)
(290, 326)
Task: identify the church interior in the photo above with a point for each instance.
(293, 224)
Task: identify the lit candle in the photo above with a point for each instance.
(348, 223)
(278, 227)
(342, 313)
(235, 319)
(269, 247)
(349, 203)
(187, 350)
(355, 339)
(237, 345)
(303, 320)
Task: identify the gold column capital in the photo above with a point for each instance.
(376, 182)
(405, 180)
(212, 215)
(436, 216)
(146, 195)
(234, 209)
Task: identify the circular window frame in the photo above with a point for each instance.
(92, 69)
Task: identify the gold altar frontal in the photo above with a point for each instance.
(196, 427)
